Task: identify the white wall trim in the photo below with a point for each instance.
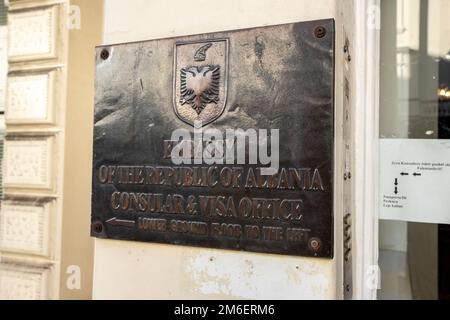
(366, 115)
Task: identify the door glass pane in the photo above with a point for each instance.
(414, 238)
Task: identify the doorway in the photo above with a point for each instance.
(414, 230)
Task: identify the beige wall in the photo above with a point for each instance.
(77, 246)
(130, 270)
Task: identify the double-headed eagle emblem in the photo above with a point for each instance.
(200, 80)
(200, 84)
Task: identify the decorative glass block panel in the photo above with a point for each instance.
(31, 34)
(24, 227)
(29, 98)
(3, 65)
(22, 283)
(27, 163)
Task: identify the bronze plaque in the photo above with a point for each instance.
(221, 140)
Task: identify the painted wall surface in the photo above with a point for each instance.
(132, 270)
(77, 247)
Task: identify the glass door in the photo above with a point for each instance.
(414, 198)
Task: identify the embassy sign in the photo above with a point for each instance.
(220, 140)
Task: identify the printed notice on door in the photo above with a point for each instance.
(415, 180)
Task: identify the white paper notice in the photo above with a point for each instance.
(415, 180)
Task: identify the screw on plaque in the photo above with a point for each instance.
(104, 54)
(320, 32)
(97, 227)
(315, 244)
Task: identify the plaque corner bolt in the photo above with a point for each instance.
(97, 227)
(315, 244)
(320, 32)
(104, 54)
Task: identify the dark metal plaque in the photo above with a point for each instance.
(273, 78)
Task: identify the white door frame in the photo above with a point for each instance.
(366, 148)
